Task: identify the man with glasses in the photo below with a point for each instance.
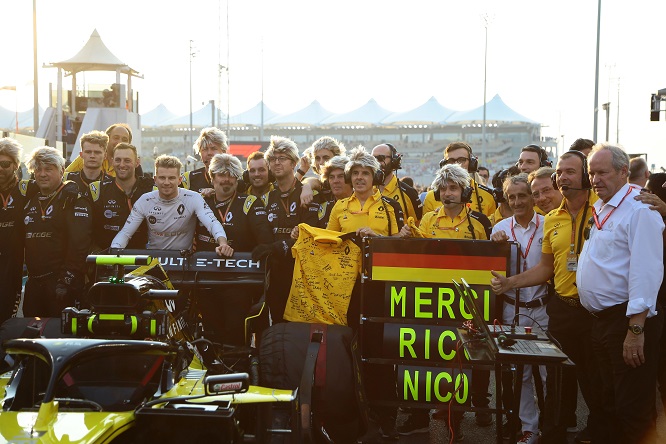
(284, 213)
(406, 196)
(482, 197)
(545, 195)
(13, 194)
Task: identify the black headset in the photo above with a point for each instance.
(543, 155)
(377, 178)
(585, 180)
(396, 159)
(465, 196)
(473, 160)
(498, 185)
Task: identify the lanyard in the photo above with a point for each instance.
(224, 217)
(5, 200)
(41, 208)
(286, 195)
(572, 249)
(529, 244)
(455, 227)
(128, 197)
(596, 219)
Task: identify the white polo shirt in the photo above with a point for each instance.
(622, 262)
(533, 257)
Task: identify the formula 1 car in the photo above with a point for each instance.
(127, 370)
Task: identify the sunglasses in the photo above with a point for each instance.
(381, 157)
(6, 164)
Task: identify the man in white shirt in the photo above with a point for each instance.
(171, 214)
(619, 274)
(526, 228)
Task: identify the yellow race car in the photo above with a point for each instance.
(129, 371)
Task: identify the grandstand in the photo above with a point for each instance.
(419, 134)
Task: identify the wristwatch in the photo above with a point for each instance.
(636, 329)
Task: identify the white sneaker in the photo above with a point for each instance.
(529, 438)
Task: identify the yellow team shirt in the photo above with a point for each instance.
(557, 232)
(436, 224)
(77, 165)
(496, 217)
(325, 271)
(392, 191)
(264, 197)
(347, 216)
(488, 205)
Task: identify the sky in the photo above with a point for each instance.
(540, 56)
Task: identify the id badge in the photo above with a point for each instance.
(572, 262)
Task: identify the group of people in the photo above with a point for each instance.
(577, 226)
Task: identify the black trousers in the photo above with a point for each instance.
(571, 327)
(628, 393)
(279, 285)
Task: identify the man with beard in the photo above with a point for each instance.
(243, 216)
(284, 213)
(211, 141)
(245, 222)
(453, 220)
(58, 230)
(482, 197)
(113, 199)
(406, 196)
(258, 177)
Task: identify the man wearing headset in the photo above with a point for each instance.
(406, 196)
(569, 321)
(482, 197)
(532, 157)
(453, 220)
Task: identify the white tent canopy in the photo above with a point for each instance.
(369, 114)
(94, 56)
